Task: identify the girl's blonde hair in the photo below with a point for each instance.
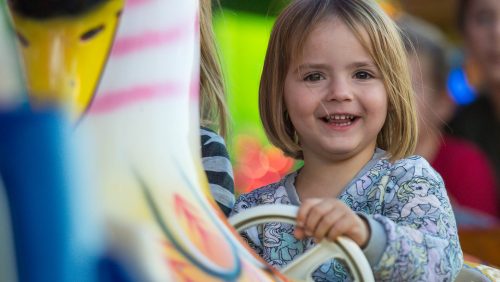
(399, 133)
(213, 108)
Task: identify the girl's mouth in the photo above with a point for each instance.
(340, 119)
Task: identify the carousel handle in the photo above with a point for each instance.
(302, 268)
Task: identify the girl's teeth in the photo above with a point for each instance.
(344, 123)
(339, 117)
(339, 121)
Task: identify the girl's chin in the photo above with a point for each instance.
(340, 151)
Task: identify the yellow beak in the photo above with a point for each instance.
(63, 57)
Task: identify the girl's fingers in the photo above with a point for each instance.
(304, 210)
(299, 233)
(316, 214)
(341, 227)
(330, 218)
(327, 222)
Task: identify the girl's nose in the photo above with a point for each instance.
(338, 90)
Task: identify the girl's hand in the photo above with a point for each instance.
(329, 218)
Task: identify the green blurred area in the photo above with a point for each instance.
(242, 39)
(262, 7)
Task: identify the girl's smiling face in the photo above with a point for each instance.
(335, 95)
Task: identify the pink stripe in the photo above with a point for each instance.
(111, 101)
(133, 3)
(149, 39)
(194, 88)
(197, 22)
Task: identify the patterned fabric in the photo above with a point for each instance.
(407, 197)
(218, 169)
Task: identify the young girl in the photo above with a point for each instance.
(335, 91)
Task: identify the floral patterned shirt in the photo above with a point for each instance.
(406, 198)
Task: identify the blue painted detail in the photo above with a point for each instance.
(459, 87)
(34, 168)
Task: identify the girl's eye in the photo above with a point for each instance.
(363, 75)
(313, 77)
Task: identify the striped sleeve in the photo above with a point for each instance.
(217, 165)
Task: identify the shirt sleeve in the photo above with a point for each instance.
(218, 169)
(375, 247)
(422, 240)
